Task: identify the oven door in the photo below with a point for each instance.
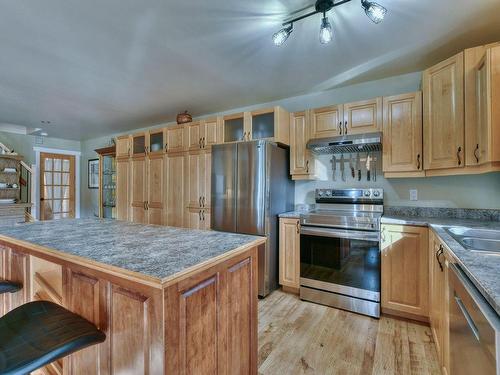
(341, 261)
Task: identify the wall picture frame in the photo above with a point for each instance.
(93, 174)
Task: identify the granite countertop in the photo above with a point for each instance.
(155, 251)
(482, 269)
(291, 214)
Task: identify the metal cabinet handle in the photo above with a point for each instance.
(199, 215)
(475, 153)
(199, 142)
(438, 254)
(307, 166)
(203, 201)
(298, 227)
(203, 215)
(145, 150)
(418, 161)
(203, 142)
(345, 127)
(467, 316)
(166, 147)
(244, 136)
(458, 155)
(340, 127)
(199, 201)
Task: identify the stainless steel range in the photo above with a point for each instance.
(340, 250)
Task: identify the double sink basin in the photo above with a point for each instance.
(479, 240)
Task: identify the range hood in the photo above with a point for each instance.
(346, 144)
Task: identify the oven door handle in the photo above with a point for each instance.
(336, 233)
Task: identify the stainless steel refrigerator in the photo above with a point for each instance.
(250, 187)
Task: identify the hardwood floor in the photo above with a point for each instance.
(297, 337)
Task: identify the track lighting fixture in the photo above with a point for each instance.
(281, 36)
(373, 10)
(325, 31)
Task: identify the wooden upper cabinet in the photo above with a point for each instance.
(194, 135)
(138, 190)
(443, 95)
(271, 123)
(236, 128)
(139, 144)
(156, 187)
(156, 142)
(327, 121)
(402, 148)
(362, 117)
(213, 132)
(123, 146)
(302, 162)
(405, 271)
(175, 136)
(176, 189)
(122, 189)
(289, 253)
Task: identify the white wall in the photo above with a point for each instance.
(459, 191)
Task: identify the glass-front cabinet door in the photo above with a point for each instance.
(262, 125)
(156, 142)
(108, 186)
(139, 144)
(234, 128)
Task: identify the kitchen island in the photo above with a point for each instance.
(170, 300)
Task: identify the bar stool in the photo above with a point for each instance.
(38, 333)
(9, 286)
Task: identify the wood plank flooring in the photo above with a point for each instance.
(297, 337)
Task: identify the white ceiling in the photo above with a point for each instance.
(96, 67)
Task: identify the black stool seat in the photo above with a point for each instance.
(38, 333)
(9, 286)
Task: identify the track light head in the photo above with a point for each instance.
(374, 11)
(325, 31)
(281, 36)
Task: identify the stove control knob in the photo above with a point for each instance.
(320, 193)
(376, 193)
(328, 193)
(366, 193)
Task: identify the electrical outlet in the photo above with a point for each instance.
(413, 194)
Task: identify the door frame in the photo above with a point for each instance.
(77, 155)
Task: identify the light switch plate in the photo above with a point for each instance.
(413, 194)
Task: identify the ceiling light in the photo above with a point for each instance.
(325, 31)
(374, 11)
(281, 36)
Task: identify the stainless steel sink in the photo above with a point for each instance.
(480, 240)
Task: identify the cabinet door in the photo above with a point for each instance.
(156, 187)
(402, 151)
(213, 132)
(235, 128)
(289, 253)
(175, 139)
(156, 142)
(300, 158)
(194, 135)
(123, 146)
(139, 145)
(194, 181)
(138, 190)
(122, 189)
(194, 218)
(405, 270)
(326, 121)
(175, 202)
(14, 266)
(363, 116)
(437, 289)
(206, 180)
(443, 93)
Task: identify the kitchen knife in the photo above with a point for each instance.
(342, 167)
(334, 167)
(368, 162)
(351, 165)
(358, 167)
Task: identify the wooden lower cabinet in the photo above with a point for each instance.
(201, 322)
(198, 218)
(405, 271)
(289, 253)
(200, 339)
(438, 298)
(175, 167)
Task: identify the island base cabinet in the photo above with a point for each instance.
(211, 320)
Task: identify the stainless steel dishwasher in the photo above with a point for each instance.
(474, 329)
